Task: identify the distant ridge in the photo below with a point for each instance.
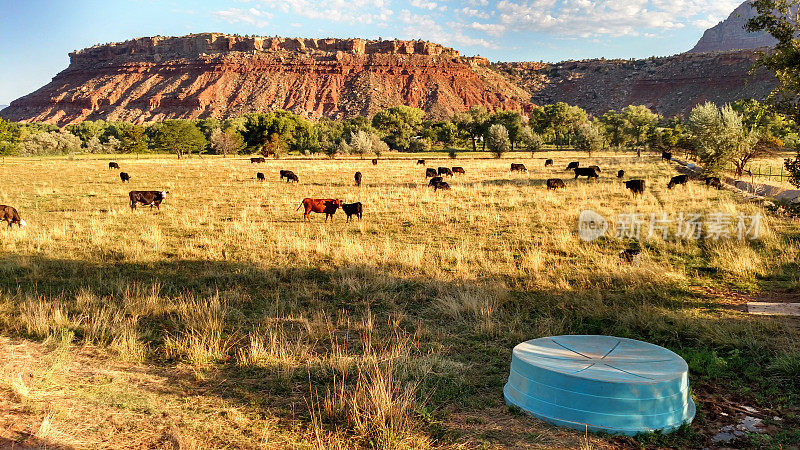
(730, 34)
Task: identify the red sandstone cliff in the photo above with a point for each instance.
(217, 75)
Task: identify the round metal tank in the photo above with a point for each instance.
(600, 383)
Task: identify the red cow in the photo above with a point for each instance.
(320, 205)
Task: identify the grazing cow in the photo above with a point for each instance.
(443, 186)
(572, 165)
(434, 181)
(292, 177)
(596, 168)
(621, 173)
(352, 209)
(714, 182)
(587, 172)
(459, 170)
(445, 171)
(518, 167)
(357, 177)
(629, 254)
(113, 165)
(430, 172)
(636, 186)
(548, 162)
(375, 162)
(286, 173)
(124, 176)
(421, 161)
(260, 176)
(10, 215)
(320, 205)
(555, 183)
(666, 156)
(147, 198)
(257, 160)
(676, 180)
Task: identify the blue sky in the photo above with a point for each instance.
(36, 35)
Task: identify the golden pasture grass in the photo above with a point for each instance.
(227, 274)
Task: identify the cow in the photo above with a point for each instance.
(260, 176)
(459, 170)
(10, 215)
(572, 165)
(292, 177)
(319, 205)
(621, 173)
(259, 159)
(357, 177)
(434, 181)
(445, 171)
(286, 173)
(629, 254)
(113, 165)
(596, 168)
(666, 156)
(430, 172)
(548, 162)
(676, 180)
(443, 186)
(124, 176)
(587, 172)
(555, 183)
(375, 162)
(714, 182)
(147, 198)
(518, 167)
(352, 209)
(420, 162)
(636, 186)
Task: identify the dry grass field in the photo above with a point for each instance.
(223, 320)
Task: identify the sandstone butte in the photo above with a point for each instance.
(218, 75)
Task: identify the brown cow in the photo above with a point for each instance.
(430, 172)
(555, 183)
(10, 215)
(113, 165)
(151, 198)
(258, 159)
(357, 177)
(421, 161)
(320, 205)
(441, 186)
(459, 170)
(375, 162)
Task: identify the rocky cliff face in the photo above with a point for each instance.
(217, 75)
(731, 35)
(669, 85)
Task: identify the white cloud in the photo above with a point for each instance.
(252, 16)
(492, 29)
(424, 4)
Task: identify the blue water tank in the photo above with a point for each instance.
(600, 383)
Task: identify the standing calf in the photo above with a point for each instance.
(587, 172)
(352, 209)
(430, 172)
(548, 162)
(421, 161)
(555, 183)
(10, 215)
(636, 186)
(124, 176)
(518, 167)
(572, 165)
(260, 176)
(375, 162)
(459, 170)
(621, 173)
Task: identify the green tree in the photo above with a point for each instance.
(512, 121)
(793, 167)
(561, 119)
(400, 123)
(497, 140)
(133, 140)
(180, 137)
(530, 140)
(614, 128)
(447, 133)
(721, 137)
(638, 121)
(588, 138)
(474, 123)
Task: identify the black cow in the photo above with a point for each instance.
(430, 172)
(587, 172)
(375, 162)
(124, 176)
(572, 165)
(714, 182)
(548, 162)
(629, 254)
(636, 186)
(518, 167)
(357, 177)
(113, 165)
(286, 173)
(292, 177)
(555, 183)
(151, 198)
(445, 171)
(459, 170)
(352, 209)
(666, 156)
(596, 168)
(443, 186)
(260, 176)
(421, 161)
(676, 180)
(10, 215)
(621, 173)
(257, 160)
(434, 181)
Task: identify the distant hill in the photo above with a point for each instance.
(730, 34)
